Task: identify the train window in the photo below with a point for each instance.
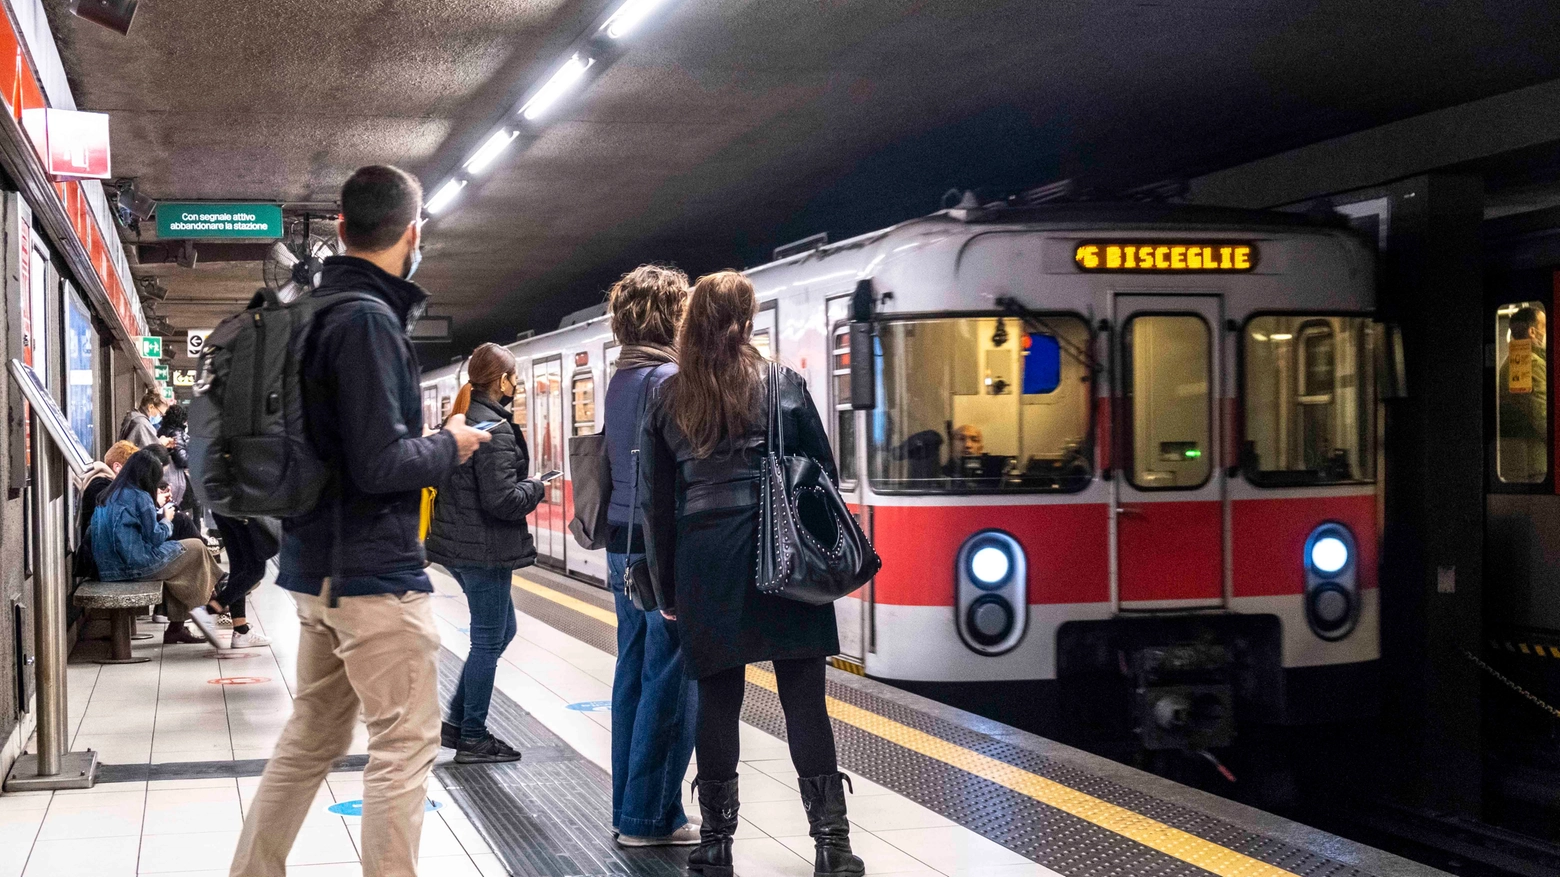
(1167, 390)
(1309, 400)
(956, 414)
(1521, 393)
(584, 392)
(520, 408)
(844, 415)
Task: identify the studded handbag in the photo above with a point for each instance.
(810, 547)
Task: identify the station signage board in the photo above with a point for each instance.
(151, 346)
(1166, 257)
(184, 377)
(167, 392)
(200, 219)
(162, 374)
(195, 341)
(72, 144)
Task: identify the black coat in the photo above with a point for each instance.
(363, 409)
(701, 533)
(479, 514)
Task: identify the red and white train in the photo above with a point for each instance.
(1119, 460)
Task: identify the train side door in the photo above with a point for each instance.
(547, 381)
(1168, 495)
(766, 335)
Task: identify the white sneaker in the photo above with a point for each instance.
(250, 640)
(207, 623)
(686, 835)
(224, 620)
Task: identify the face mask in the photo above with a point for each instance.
(156, 421)
(412, 261)
(505, 398)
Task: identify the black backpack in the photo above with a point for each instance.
(250, 454)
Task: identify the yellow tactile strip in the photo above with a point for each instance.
(1151, 833)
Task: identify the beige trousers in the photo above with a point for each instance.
(188, 580)
(377, 654)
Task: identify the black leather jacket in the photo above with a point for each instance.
(673, 482)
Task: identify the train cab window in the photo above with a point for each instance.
(584, 395)
(1521, 393)
(844, 415)
(1170, 405)
(1309, 400)
(964, 409)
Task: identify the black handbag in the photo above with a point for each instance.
(810, 547)
(636, 579)
(590, 471)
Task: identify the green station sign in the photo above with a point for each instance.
(201, 219)
(151, 346)
(162, 373)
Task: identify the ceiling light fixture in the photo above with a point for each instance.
(629, 16)
(560, 82)
(492, 149)
(442, 198)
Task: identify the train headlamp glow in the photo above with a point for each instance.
(1329, 554)
(990, 565)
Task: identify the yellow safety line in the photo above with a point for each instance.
(1151, 833)
(567, 601)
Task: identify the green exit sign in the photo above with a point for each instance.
(151, 346)
(200, 219)
(162, 373)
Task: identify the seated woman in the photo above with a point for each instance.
(131, 542)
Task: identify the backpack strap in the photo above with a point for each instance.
(639, 431)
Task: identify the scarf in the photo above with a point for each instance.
(643, 355)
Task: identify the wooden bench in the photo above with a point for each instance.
(123, 600)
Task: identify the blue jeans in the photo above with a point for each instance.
(654, 710)
(492, 627)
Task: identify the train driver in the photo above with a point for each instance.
(969, 443)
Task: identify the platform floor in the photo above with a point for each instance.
(937, 791)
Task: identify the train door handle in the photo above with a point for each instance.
(1129, 511)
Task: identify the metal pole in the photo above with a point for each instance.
(49, 603)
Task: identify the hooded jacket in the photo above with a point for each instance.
(363, 413)
(137, 429)
(479, 514)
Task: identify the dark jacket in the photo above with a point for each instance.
(363, 410)
(130, 541)
(622, 430)
(85, 564)
(479, 514)
(178, 475)
(674, 483)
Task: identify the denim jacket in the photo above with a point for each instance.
(129, 540)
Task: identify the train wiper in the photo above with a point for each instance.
(1036, 322)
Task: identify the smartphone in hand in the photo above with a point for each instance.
(549, 475)
(487, 425)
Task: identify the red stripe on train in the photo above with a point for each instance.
(1269, 540)
(1065, 545)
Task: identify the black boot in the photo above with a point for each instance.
(824, 798)
(718, 806)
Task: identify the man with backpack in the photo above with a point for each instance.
(354, 563)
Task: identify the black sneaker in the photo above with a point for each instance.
(488, 750)
(449, 735)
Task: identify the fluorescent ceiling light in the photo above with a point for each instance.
(1282, 336)
(490, 150)
(442, 198)
(629, 16)
(560, 82)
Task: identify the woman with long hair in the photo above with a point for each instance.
(653, 701)
(702, 447)
(479, 534)
(132, 542)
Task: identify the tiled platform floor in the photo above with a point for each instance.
(167, 710)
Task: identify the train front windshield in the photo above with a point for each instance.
(1310, 400)
(982, 404)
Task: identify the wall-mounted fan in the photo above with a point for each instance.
(293, 264)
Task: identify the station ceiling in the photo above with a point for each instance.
(733, 126)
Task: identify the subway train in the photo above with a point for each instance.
(1119, 460)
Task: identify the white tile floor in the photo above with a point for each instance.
(168, 710)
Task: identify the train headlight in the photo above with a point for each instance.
(1329, 554)
(991, 603)
(990, 565)
(1332, 594)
